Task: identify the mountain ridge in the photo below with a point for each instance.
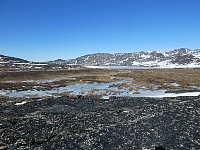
(182, 57)
(11, 59)
(177, 57)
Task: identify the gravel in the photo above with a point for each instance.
(92, 123)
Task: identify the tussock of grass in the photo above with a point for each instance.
(145, 78)
(183, 77)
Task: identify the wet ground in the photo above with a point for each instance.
(100, 109)
(121, 88)
(101, 82)
(92, 123)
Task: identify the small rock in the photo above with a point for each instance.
(3, 147)
(20, 142)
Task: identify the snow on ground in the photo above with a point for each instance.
(135, 63)
(176, 95)
(192, 65)
(96, 67)
(22, 103)
(174, 84)
(149, 64)
(105, 97)
(145, 56)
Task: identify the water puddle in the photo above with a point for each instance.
(196, 87)
(103, 89)
(28, 93)
(87, 87)
(76, 89)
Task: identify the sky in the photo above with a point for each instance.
(41, 30)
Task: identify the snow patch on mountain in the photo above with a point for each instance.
(178, 58)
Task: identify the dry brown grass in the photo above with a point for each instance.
(50, 74)
(163, 77)
(59, 78)
(184, 77)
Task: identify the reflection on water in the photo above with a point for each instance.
(103, 89)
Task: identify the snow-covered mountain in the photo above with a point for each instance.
(182, 57)
(178, 58)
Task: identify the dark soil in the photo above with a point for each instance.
(91, 123)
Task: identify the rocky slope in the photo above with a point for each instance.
(182, 57)
(174, 58)
(8, 60)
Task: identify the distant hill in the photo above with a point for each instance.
(9, 59)
(58, 61)
(169, 59)
(182, 57)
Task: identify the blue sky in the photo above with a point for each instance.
(40, 30)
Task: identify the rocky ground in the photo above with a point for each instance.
(92, 123)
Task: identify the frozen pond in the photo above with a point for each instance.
(104, 89)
